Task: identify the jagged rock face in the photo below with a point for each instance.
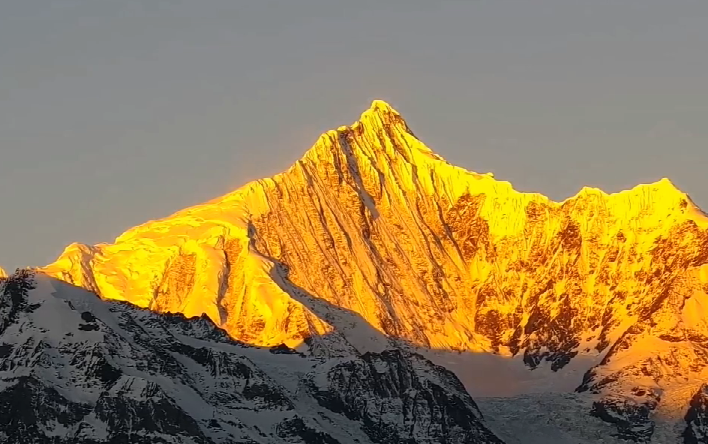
(656, 366)
(75, 369)
(631, 418)
(372, 221)
(697, 418)
(435, 407)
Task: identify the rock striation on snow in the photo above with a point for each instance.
(76, 369)
(372, 221)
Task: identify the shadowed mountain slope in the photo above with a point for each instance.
(76, 369)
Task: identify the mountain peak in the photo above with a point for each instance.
(663, 188)
(380, 135)
(381, 115)
(2, 273)
(378, 115)
(382, 107)
(662, 193)
(666, 185)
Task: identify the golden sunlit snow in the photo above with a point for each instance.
(372, 220)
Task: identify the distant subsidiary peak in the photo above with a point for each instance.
(662, 190)
(661, 197)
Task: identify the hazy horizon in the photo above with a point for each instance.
(112, 114)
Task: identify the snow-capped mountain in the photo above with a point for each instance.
(77, 369)
(604, 293)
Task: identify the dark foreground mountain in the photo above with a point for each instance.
(76, 369)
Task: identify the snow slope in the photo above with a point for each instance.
(76, 369)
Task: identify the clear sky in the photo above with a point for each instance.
(116, 112)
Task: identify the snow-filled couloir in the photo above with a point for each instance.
(371, 220)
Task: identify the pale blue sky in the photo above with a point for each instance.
(116, 112)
